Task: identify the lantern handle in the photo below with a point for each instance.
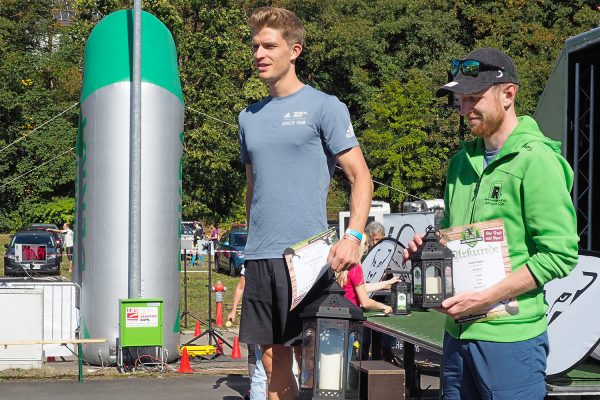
(431, 229)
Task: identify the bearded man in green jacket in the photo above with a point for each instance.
(513, 172)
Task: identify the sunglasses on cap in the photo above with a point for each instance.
(472, 67)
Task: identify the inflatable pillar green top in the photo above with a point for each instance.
(102, 211)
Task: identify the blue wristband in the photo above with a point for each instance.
(354, 233)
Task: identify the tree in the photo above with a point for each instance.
(34, 87)
(383, 58)
(216, 74)
(399, 146)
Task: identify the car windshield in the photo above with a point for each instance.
(33, 238)
(239, 239)
(186, 230)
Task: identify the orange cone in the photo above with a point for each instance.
(219, 347)
(235, 352)
(184, 366)
(198, 330)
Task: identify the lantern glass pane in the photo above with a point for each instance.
(307, 371)
(353, 367)
(331, 354)
(433, 278)
(417, 278)
(449, 284)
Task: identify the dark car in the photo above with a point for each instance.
(31, 252)
(58, 238)
(229, 254)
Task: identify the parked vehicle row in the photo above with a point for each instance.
(35, 251)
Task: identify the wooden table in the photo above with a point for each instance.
(78, 342)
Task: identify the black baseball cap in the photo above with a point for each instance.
(465, 84)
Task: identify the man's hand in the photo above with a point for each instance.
(466, 303)
(343, 255)
(475, 302)
(412, 247)
(231, 316)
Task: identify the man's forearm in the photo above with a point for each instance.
(515, 284)
(471, 302)
(361, 194)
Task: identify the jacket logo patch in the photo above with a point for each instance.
(496, 190)
(495, 195)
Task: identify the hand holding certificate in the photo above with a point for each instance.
(306, 262)
(480, 261)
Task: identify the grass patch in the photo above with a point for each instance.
(197, 289)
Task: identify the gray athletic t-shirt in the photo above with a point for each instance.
(291, 142)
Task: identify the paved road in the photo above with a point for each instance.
(184, 387)
(212, 380)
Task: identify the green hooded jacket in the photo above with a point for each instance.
(527, 186)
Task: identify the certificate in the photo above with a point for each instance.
(306, 262)
(480, 261)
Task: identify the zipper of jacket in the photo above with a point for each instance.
(476, 191)
(474, 199)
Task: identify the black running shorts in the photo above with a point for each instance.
(266, 318)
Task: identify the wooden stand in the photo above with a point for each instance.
(381, 380)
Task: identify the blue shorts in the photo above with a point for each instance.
(474, 369)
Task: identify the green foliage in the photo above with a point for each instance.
(216, 73)
(383, 58)
(38, 80)
(398, 143)
(56, 211)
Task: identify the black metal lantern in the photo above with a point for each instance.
(331, 341)
(431, 271)
(400, 295)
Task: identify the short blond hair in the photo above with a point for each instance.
(281, 19)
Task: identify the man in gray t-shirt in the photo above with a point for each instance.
(290, 143)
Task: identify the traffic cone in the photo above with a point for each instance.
(235, 352)
(184, 366)
(219, 347)
(198, 330)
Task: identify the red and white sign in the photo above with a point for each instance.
(141, 317)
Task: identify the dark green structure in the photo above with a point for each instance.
(568, 112)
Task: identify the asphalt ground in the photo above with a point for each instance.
(218, 378)
(180, 387)
(210, 379)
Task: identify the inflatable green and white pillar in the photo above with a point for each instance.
(102, 211)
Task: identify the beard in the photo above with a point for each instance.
(487, 125)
